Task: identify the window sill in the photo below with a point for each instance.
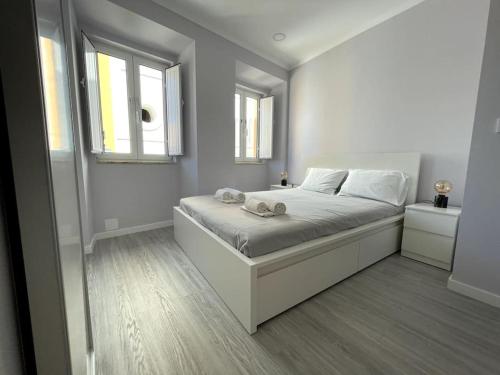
(250, 162)
(132, 161)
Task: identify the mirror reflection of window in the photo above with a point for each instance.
(51, 63)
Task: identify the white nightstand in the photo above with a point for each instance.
(279, 187)
(429, 234)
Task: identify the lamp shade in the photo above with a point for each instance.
(443, 186)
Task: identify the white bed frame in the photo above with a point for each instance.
(257, 289)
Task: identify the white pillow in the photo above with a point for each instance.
(323, 180)
(385, 186)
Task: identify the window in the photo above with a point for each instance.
(127, 102)
(253, 126)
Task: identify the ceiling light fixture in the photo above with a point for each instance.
(279, 37)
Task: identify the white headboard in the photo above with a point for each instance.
(407, 162)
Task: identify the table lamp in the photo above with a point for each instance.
(284, 178)
(442, 187)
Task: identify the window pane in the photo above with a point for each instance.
(114, 103)
(153, 116)
(237, 121)
(54, 93)
(92, 94)
(251, 117)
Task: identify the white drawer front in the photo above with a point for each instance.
(445, 225)
(429, 245)
(284, 288)
(378, 246)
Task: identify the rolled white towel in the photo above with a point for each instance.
(264, 214)
(223, 195)
(278, 208)
(236, 194)
(256, 206)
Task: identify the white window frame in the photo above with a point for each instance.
(132, 61)
(137, 60)
(243, 159)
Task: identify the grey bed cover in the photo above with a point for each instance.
(310, 215)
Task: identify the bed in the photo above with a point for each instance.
(260, 267)
(310, 215)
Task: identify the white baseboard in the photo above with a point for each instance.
(123, 231)
(68, 241)
(473, 292)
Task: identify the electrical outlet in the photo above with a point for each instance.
(497, 127)
(111, 224)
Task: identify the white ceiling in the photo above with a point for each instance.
(105, 19)
(312, 26)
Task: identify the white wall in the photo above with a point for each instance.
(215, 85)
(280, 134)
(477, 255)
(188, 163)
(135, 194)
(408, 84)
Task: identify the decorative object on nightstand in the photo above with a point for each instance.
(284, 178)
(429, 234)
(281, 187)
(442, 187)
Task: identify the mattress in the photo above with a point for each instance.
(310, 215)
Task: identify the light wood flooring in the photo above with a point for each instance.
(153, 313)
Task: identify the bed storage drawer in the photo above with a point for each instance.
(379, 246)
(284, 288)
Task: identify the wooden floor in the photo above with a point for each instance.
(153, 313)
